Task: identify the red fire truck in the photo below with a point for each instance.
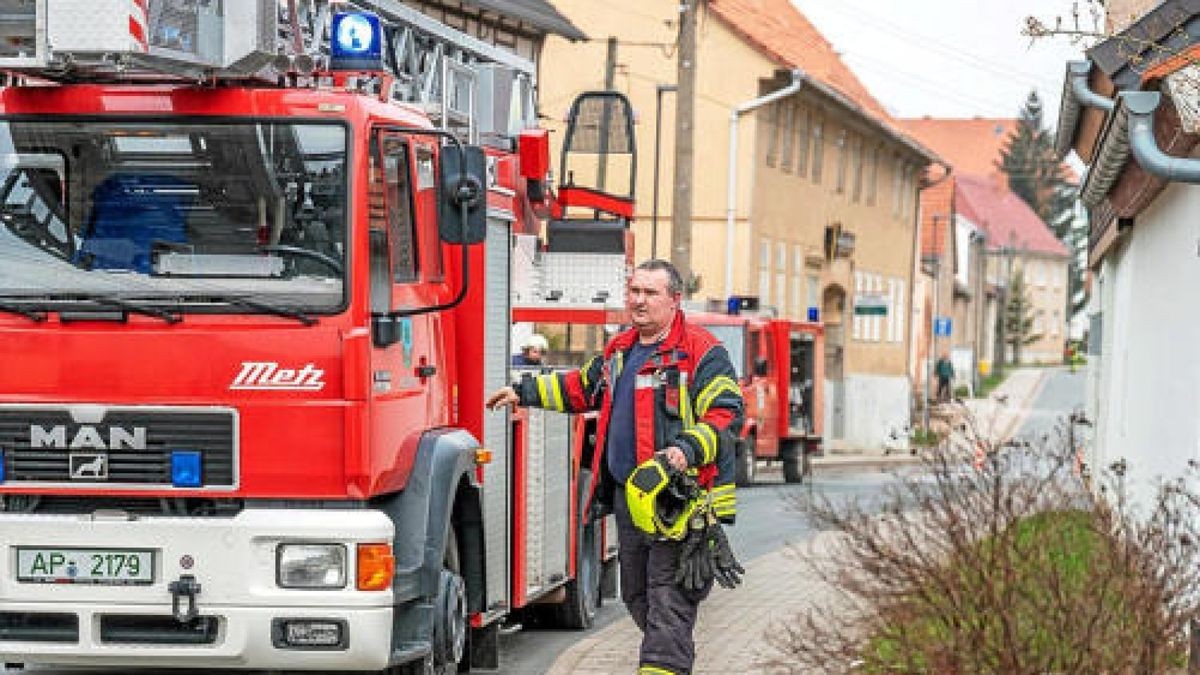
(253, 289)
(780, 365)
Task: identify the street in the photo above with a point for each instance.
(767, 522)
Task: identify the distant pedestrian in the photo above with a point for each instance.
(533, 351)
(945, 375)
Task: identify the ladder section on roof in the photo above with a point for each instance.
(464, 84)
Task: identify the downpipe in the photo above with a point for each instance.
(1141, 106)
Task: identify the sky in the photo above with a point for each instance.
(949, 58)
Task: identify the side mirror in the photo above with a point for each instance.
(760, 367)
(463, 180)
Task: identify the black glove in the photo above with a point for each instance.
(693, 566)
(726, 569)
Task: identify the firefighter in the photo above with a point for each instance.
(664, 388)
(533, 351)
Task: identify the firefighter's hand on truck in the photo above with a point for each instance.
(676, 457)
(503, 397)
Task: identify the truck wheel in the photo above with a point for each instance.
(578, 610)
(795, 460)
(747, 463)
(450, 621)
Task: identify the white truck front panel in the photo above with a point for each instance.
(234, 561)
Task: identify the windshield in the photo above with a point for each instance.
(182, 213)
(734, 339)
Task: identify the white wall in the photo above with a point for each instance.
(877, 406)
(1147, 390)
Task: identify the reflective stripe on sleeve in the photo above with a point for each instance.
(719, 385)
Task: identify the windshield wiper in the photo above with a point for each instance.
(32, 314)
(269, 308)
(128, 306)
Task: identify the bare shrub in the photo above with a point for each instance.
(1012, 567)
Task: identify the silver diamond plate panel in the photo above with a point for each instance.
(557, 496)
(535, 507)
(496, 486)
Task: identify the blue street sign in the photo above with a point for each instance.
(941, 326)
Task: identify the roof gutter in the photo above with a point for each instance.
(798, 80)
(1076, 96)
(1130, 131)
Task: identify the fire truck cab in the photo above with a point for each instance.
(255, 268)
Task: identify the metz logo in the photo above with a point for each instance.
(268, 376)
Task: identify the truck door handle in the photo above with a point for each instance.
(426, 370)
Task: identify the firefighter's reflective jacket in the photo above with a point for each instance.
(685, 395)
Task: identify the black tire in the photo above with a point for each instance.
(795, 461)
(450, 622)
(747, 464)
(578, 610)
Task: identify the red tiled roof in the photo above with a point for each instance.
(779, 29)
(937, 205)
(970, 145)
(1005, 218)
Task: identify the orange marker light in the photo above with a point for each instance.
(376, 567)
(483, 456)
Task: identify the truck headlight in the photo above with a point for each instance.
(310, 566)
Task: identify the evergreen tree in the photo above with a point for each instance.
(1037, 176)
(1019, 316)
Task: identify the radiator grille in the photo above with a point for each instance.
(38, 444)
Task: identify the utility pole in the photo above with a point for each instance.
(610, 73)
(685, 104)
(660, 90)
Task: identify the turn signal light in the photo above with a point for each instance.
(376, 567)
(483, 456)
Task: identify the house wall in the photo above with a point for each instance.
(864, 182)
(728, 73)
(1144, 397)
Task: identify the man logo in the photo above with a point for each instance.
(89, 465)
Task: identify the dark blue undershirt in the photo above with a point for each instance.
(622, 449)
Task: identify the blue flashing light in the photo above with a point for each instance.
(357, 42)
(186, 468)
(733, 305)
(814, 314)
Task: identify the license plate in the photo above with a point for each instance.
(107, 566)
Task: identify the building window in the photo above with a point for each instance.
(1038, 323)
(842, 160)
(797, 296)
(897, 184)
(857, 168)
(814, 290)
(876, 320)
(781, 291)
(1039, 272)
(900, 316)
(872, 175)
(818, 149)
(1055, 324)
(789, 135)
(797, 258)
(804, 123)
(781, 257)
(764, 272)
(773, 134)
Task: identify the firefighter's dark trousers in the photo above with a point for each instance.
(665, 612)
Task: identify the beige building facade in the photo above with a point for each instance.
(825, 217)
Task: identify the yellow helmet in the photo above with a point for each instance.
(660, 502)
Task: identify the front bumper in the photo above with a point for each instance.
(233, 559)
